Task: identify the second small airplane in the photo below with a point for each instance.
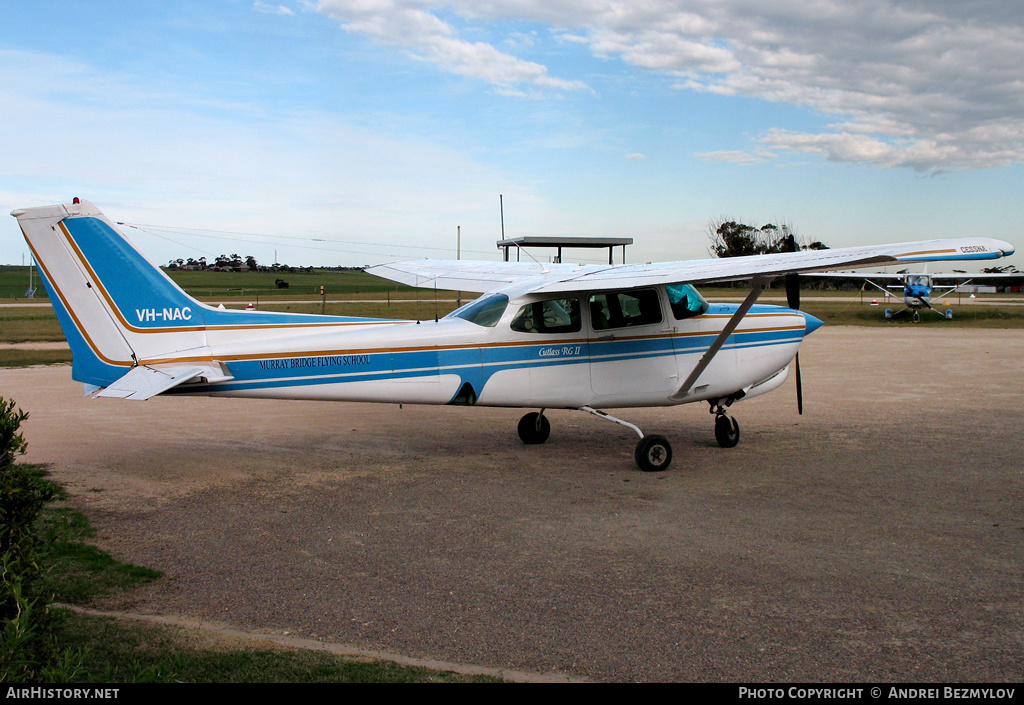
(921, 290)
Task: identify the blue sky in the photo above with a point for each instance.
(361, 131)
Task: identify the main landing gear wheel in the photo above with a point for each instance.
(727, 431)
(653, 453)
(534, 428)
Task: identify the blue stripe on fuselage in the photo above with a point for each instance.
(473, 364)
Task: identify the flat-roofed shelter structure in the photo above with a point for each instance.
(568, 242)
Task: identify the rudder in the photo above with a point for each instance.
(110, 300)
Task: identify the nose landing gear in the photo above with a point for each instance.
(727, 431)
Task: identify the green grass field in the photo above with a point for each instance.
(14, 280)
(27, 358)
(130, 651)
(27, 324)
(967, 316)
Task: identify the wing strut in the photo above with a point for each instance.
(759, 285)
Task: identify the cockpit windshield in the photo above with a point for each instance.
(485, 311)
(685, 300)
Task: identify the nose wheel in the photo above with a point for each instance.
(727, 430)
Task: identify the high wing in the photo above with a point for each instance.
(540, 278)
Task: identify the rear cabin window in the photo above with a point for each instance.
(483, 312)
(686, 301)
(621, 309)
(550, 316)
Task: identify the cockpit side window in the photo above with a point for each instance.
(686, 301)
(484, 311)
(550, 316)
(620, 309)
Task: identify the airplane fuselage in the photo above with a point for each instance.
(455, 360)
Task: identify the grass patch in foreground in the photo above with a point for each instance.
(110, 650)
(80, 571)
(121, 651)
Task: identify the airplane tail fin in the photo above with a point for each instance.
(117, 309)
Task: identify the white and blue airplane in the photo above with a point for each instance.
(920, 289)
(541, 336)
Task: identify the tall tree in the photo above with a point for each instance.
(732, 239)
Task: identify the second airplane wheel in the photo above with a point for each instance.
(727, 431)
(653, 453)
(534, 428)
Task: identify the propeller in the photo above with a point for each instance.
(793, 300)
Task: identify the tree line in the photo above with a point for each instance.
(732, 239)
(230, 263)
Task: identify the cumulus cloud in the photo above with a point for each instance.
(410, 25)
(931, 86)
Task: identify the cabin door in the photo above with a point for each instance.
(631, 349)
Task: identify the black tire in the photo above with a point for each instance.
(653, 454)
(727, 431)
(534, 428)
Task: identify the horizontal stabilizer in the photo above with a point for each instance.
(143, 382)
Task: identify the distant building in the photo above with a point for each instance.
(609, 243)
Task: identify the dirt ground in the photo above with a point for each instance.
(879, 537)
